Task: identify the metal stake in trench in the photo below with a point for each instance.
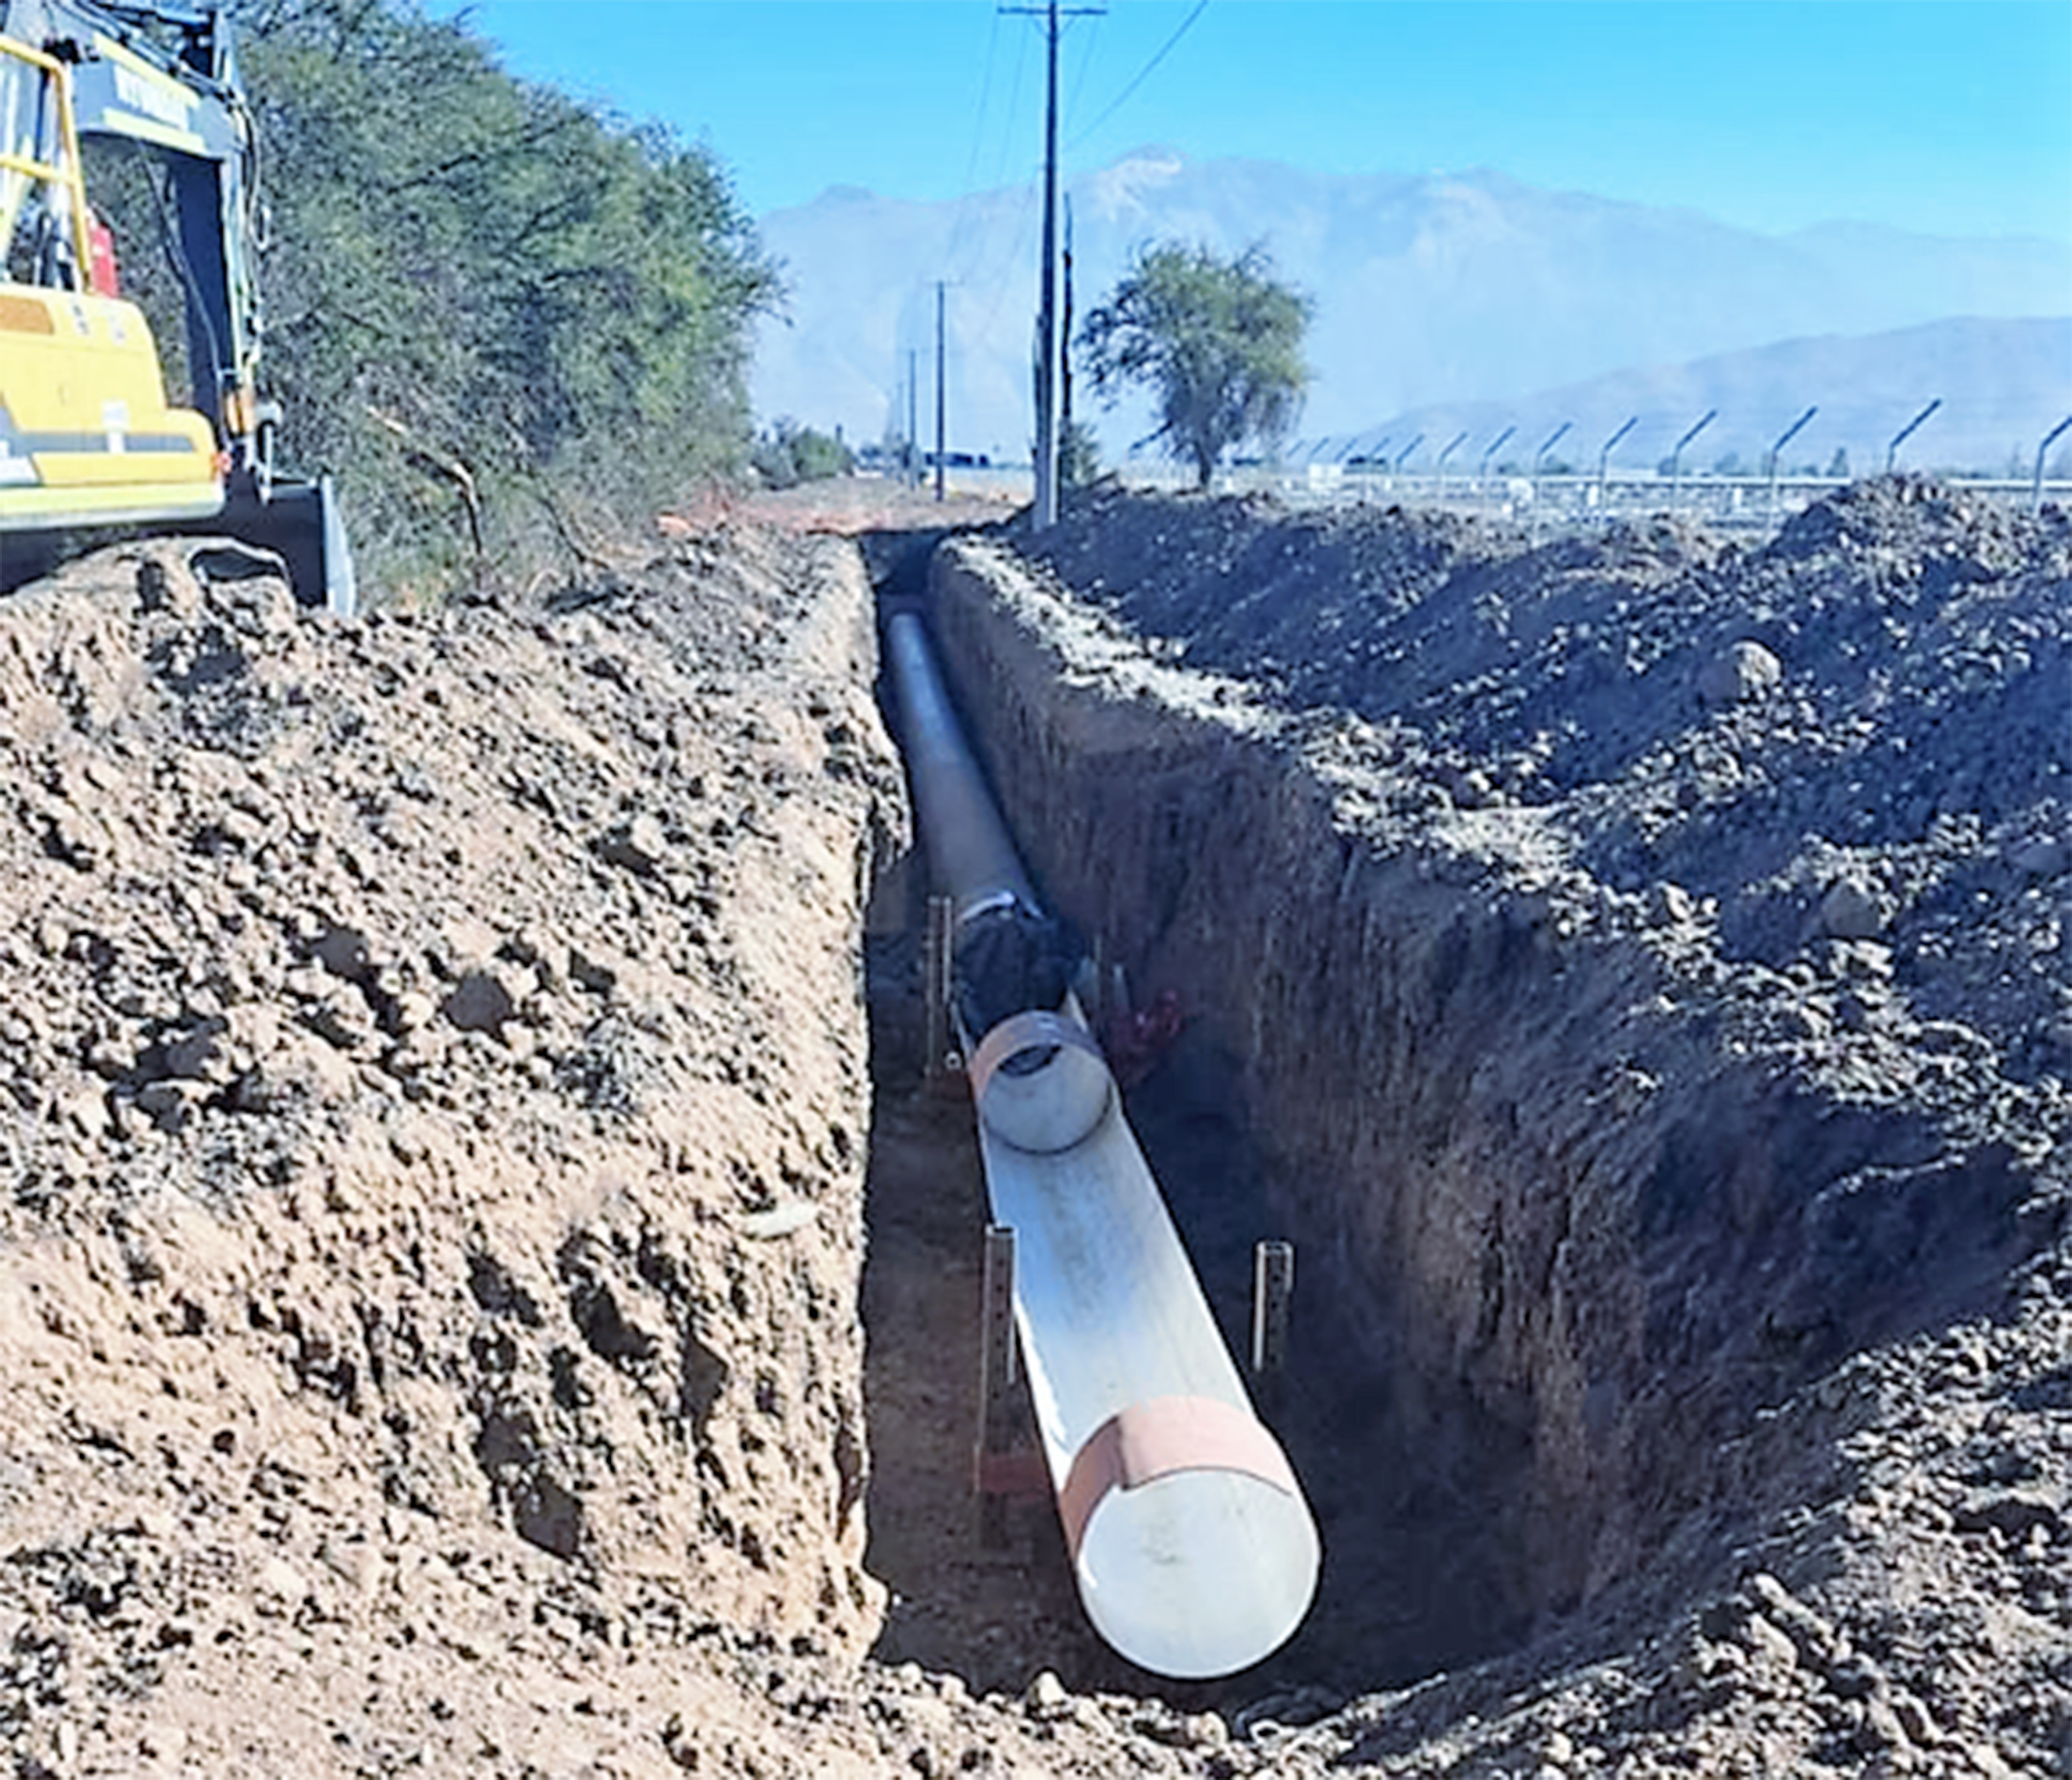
(1002, 1466)
(940, 1060)
(1272, 1288)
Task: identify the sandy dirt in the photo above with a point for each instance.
(435, 1210)
(467, 1307)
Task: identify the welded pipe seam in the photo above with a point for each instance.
(966, 913)
(1032, 1030)
(1054, 1106)
(1159, 1438)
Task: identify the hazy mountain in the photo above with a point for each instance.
(1445, 289)
(2003, 384)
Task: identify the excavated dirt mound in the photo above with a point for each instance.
(1878, 695)
(427, 1277)
(1634, 972)
(430, 1305)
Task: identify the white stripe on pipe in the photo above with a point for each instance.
(1196, 1555)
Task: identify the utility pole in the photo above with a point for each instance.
(1047, 348)
(1065, 361)
(939, 409)
(1048, 353)
(913, 419)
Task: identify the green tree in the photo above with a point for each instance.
(820, 456)
(787, 454)
(1218, 342)
(507, 322)
(1078, 456)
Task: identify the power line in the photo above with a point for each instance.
(985, 93)
(1144, 74)
(962, 223)
(981, 246)
(1014, 105)
(1087, 43)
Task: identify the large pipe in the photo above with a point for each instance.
(1191, 1544)
(971, 854)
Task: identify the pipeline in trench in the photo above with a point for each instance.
(1536, 1316)
(1413, 1580)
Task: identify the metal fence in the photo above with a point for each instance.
(1564, 503)
(1543, 504)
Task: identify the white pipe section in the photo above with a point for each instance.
(1193, 1548)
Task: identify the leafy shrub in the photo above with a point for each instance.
(787, 454)
(506, 323)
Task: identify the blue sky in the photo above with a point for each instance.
(1948, 119)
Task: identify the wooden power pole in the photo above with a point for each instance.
(939, 404)
(1050, 346)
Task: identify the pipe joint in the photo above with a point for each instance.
(1160, 1438)
(1040, 1083)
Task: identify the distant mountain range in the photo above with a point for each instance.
(1442, 296)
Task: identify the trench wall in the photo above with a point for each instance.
(1580, 1230)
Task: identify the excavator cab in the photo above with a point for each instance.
(87, 437)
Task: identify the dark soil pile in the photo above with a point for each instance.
(1644, 960)
(1879, 698)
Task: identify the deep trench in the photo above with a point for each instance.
(1500, 1404)
(1415, 1577)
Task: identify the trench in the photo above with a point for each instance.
(1542, 1310)
(991, 1616)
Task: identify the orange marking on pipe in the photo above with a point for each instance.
(1158, 1438)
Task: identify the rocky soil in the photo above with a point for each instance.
(1875, 699)
(433, 1266)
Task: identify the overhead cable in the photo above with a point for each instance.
(1144, 74)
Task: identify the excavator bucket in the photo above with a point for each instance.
(301, 523)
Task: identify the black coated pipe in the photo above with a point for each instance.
(1007, 956)
(971, 854)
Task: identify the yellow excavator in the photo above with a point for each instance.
(87, 437)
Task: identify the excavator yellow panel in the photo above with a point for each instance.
(85, 435)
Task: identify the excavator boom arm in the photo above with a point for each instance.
(72, 449)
